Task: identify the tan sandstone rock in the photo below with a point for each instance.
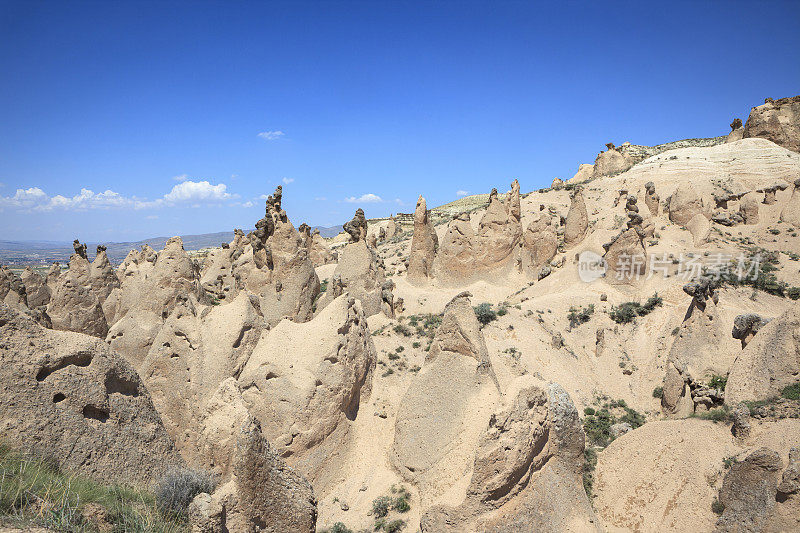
(423, 245)
(577, 221)
(778, 121)
(68, 397)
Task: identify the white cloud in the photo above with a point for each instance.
(287, 181)
(248, 204)
(197, 191)
(263, 197)
(182, 177)
(398, 201)
(368, 198)
(320, 199)
(151, 217)
(462, 193)
(271, 135)
(191, 193)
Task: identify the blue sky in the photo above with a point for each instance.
(162, 103)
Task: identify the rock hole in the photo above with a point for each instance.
(58, 397)
(120, 384)
(90, 411)
(77, 359)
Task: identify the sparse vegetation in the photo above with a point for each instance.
(628, 311)
(718, 382)
(589, 465)
(791, 392)
(425, 325)
(658, 392)
(402, 329)
(178, 487)
(485, 313)
(579, 315)
(718, 415)
(383, 505)
(717, 506)
(35, 492)
(597, 423)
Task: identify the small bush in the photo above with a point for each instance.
(658, 392)
(394, 526)
(589, 464)
(717, 415)
(579, 315)
(628, 311)
(793, 293)
(380, 506)
(588, 411)
(718, 382)
(178, 487)
(729, 461)
(717, 506)
(791, 392)
(484, 313)
(323, 286)
(402, 329)
(338, 527)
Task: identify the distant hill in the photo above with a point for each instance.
(22, 253)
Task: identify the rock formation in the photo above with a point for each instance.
(540, 243)
(748, 492)
(12, 289)
(746, 326)
(306, 398)
(748, 208)
(67, 397)
(625, 257)
(771, 192)
(697, 351)
(611, 162)
(584, 173)
(357, 227)
(527, 470)
(737, 131)
(436, 420)
(791, 211)
(76, 303)
(423, 245)
(651, 198)
(685, 204)
(577, 221)
(262, 493)
(769, 362)
(777, 121)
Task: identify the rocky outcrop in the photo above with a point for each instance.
(499, 231)
(192, 354)
(12, 289)
(423, 245)
(360, 272)
(577, 222)
(790, 479)
(305, 382)
(540, 243)
(746, 326)
(261, 494)
(357, 226)
(37, 293)
(769, 362)
(651, 198)
(75, 304)
(771, 192)
(748, 493)
(737, 131)
(584, 173)
(700, 228)
(527, 469)
(791, 211)
(625, 257)
(748, 208)
(611, 162)
(684, 204)
(436, 427)
(68, 397)
(696, 352)
(777, 121)
(318, 250)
